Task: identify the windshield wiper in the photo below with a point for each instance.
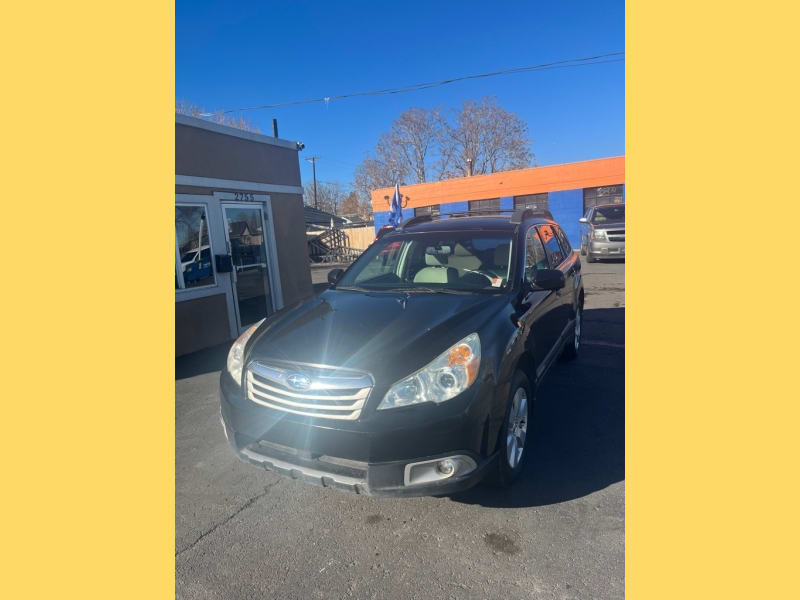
(402, 290)
(427, 290)
(352, 288)
(370, 290)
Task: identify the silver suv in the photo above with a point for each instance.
(603, 232)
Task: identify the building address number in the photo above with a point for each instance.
(244, 197)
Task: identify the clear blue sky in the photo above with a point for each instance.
(231, 54)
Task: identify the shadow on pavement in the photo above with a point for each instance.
(202, 361)
(578, 444)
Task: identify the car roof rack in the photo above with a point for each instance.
(462, 213)
(517, 215)
(520, 215)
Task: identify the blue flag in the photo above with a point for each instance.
(396, 213)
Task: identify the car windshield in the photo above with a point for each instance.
(460, 261)
(609, 214)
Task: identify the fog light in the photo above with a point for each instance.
(438, 469)
(445, 467)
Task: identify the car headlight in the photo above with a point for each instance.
(236, 353)
(599, 234)
(449, 374)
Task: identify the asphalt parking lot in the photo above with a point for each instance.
(558, 533)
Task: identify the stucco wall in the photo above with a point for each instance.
(230, 161)
(201, 323)
(290, 239)
(203, 153)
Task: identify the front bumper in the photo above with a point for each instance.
(366, 458)
(599, 249)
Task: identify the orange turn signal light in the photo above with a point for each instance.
(462, 355)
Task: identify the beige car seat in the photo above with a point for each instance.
(463, 260)
(436, 271)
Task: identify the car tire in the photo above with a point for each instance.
(512, 451)
(573, 346)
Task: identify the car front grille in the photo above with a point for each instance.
(616, 235)
(318, 391)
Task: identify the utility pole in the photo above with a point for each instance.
(313, 160)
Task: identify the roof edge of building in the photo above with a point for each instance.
(445, 188)
(233, 131)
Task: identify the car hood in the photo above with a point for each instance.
(375, 332)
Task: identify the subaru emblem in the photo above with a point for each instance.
(299, 381)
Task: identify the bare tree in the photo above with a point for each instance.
(375, 173)
(330, 196)
(413, 135)
(185, 108)
(484, 138)
(353, 207)
(424, 145)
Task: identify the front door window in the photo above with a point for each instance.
(245, 232)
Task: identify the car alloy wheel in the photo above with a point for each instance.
(517, 428)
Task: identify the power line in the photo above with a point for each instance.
(572, 62)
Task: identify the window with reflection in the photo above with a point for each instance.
(554, 254)
(610, 194)
(491, 204)
(432, 210)
(194, 261)
(535, 258)
(566, 248)
(535, 202)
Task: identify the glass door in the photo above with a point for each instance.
(244, 229)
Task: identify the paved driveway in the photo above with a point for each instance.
(558, 533)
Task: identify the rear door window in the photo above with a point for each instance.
(554, 254)
(563, 241)
(535, 258)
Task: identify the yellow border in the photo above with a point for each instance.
(712, 408)
(87, 212)
(711, 309)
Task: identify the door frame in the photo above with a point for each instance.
(263, 203)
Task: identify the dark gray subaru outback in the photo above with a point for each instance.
(416, 372)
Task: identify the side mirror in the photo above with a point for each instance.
(335, 275)
(549, 279)
(583, 220)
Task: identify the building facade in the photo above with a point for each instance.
(565, 190)
(240, 243)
